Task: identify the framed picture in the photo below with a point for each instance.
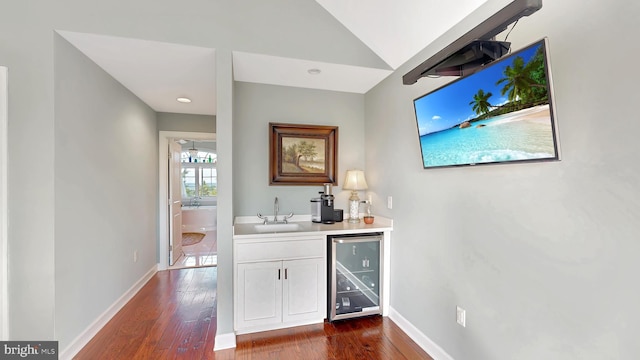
(302, 154)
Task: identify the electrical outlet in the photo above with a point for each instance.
(461, 316)
(389, 202)
(135, 255)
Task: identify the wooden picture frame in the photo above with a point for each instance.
(302, 154)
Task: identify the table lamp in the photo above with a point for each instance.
(354, 181)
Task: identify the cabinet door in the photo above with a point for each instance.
(259, 294)
(304, 293)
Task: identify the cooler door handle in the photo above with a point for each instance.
(360, 239)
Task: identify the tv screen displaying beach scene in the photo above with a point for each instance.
(501, 113)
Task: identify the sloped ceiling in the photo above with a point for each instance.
(159, 72)
(397, 30)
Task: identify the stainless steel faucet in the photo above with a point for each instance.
(276, 209)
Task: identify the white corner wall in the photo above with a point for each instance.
(542, 256)
(4, 258)
(226, 185)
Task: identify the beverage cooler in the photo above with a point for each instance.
(354, 277)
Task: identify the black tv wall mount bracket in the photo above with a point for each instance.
(476, 47)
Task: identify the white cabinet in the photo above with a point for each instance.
(259, 294)
(304, 288)
(279, 282)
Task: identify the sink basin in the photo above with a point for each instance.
(277, 227)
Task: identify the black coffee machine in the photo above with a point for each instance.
(326, 206)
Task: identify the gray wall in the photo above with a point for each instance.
(269, 103)
(186, 122)
(542, 256)
(106, 190)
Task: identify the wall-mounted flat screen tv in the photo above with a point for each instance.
(501, 113)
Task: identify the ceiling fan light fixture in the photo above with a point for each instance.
(184, 100)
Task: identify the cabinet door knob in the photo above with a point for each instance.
(285, 274)
(278, 274)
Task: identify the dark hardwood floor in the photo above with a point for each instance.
(174, 317)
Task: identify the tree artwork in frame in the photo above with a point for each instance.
(302, 154)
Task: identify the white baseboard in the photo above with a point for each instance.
(83, 339)
(224, 341)
(435, 351)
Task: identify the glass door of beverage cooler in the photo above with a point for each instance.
(354, 278)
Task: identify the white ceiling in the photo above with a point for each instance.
(159, 72)
(156, 72)
(265, 69)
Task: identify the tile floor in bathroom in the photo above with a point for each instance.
(201, 254)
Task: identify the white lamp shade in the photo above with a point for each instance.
(355, 180)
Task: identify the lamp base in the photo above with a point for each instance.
(354, 208)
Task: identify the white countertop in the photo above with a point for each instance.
(244, 227)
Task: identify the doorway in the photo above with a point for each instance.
(194, 200)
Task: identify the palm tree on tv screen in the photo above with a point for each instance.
(517, 81)
(480, 102)
(525, 81)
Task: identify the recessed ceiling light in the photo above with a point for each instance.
(314, 71)
(184, 100)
